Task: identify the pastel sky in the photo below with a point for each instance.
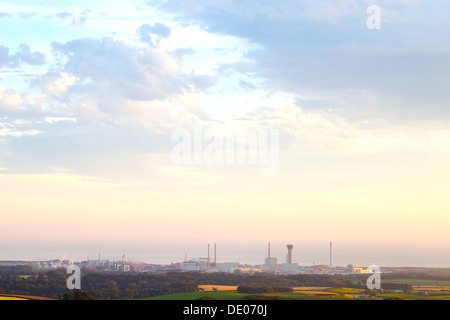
(92, 91)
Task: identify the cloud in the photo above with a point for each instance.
(325, 133)
(26, 15)
(324, 49)
(9, 100)
(55, 84)
(5, 15)
(330, 11)
(102, 97)
(153, 34)
(125, 96)
(73, 16)
(247, 85)
(113, 74)
(21, 14)
(115, 69)
(15, 130)
(24, 55)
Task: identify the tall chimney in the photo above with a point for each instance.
(209, 259)
(215, 254)
(331, 254)
(269, 251)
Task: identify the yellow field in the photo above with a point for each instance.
(306, 290)
(11, 298)
(209, 288)
(319, 292)
(310, 288)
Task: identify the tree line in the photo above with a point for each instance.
(110, 285)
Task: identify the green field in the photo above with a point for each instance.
(233, 295)
(296, 296)
(225, 295)
(418, 282)
(405, 296)
(317, 296)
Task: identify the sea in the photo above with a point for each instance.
(165, 254)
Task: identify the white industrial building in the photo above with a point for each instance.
(290, 268)
(226, 266)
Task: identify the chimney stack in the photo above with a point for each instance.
(331, 254)
(209, 259)
(215, 254)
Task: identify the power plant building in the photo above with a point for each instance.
(227, 266)
(290, 268)
(270, 264)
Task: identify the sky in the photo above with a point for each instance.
(94, 96)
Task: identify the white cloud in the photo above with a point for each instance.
(56, 85)
(107, 76)
(16, 130)
(9, 100)
(112, 91)
(52, 120)
(331, 11)
(322, 132)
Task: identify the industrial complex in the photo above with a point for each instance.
(202, 264)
